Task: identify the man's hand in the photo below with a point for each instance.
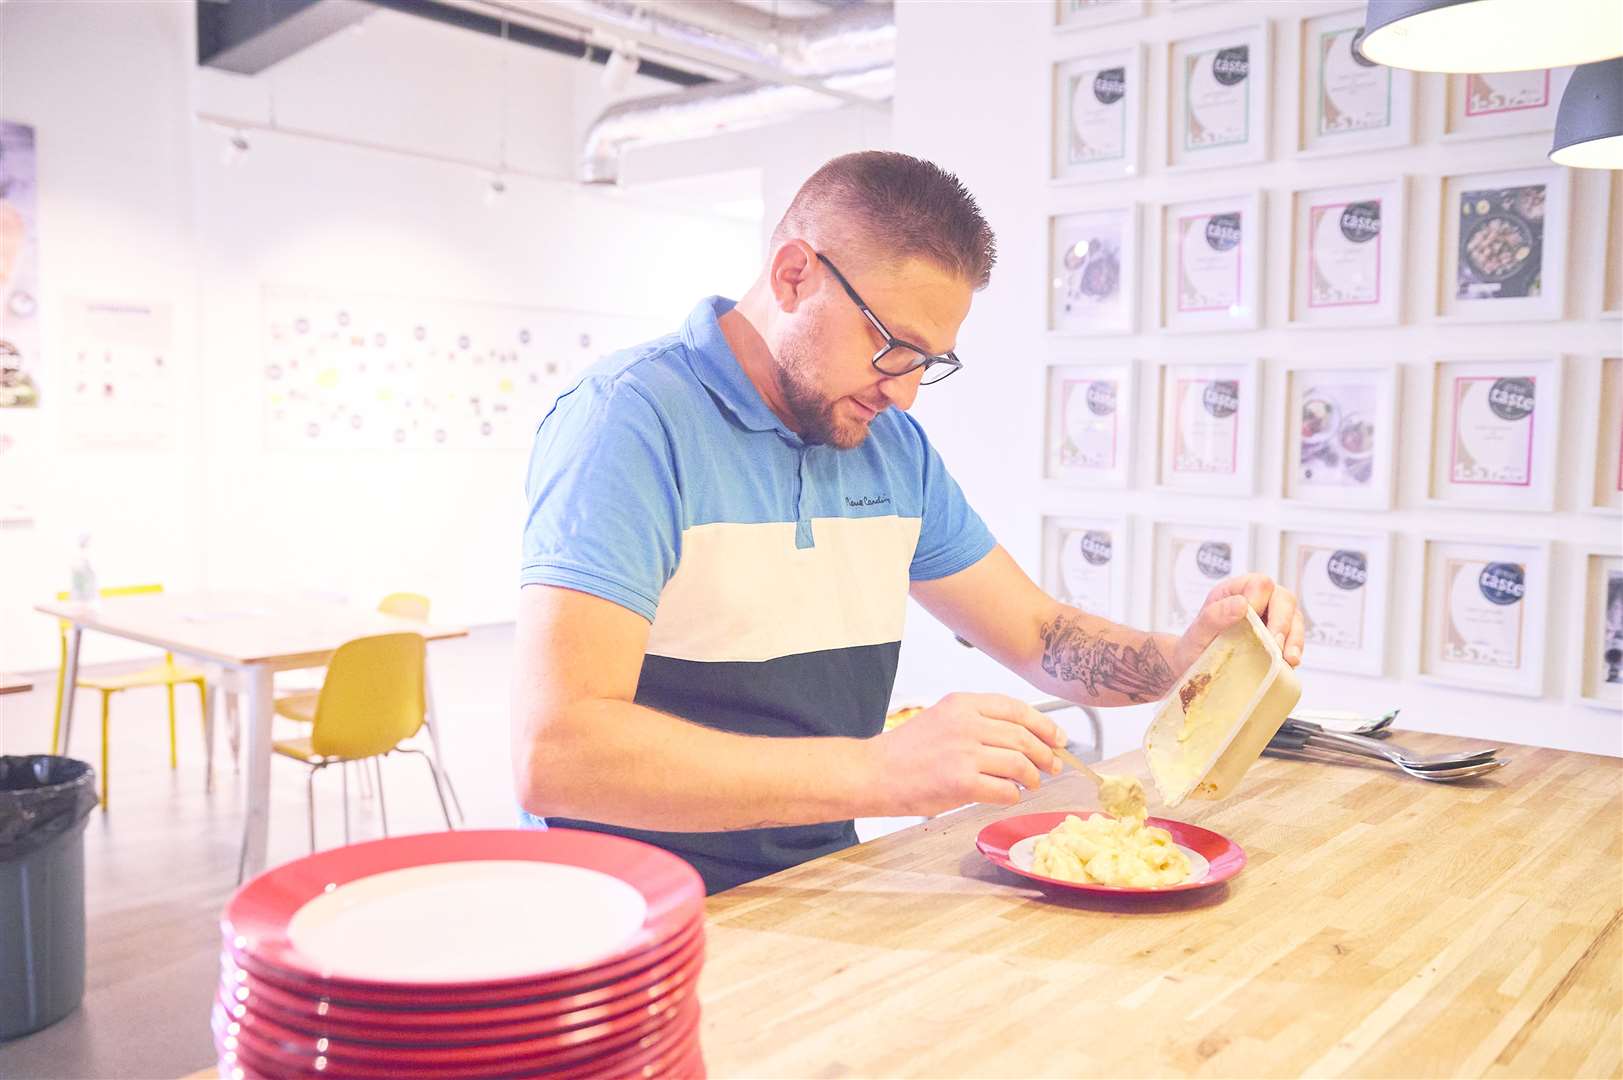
(966, 748)
(1226, 605)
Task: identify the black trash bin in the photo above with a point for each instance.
(44, 801)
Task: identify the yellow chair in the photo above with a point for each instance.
(300, 704)
(371, 701)
(167, 675)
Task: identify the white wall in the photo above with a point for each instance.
(136, 204)
(973, 91)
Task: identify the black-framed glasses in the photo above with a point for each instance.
(897, 357)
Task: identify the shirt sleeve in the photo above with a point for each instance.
(604, 509)
(952, 537)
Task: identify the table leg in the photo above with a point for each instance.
(211, 699)
(256, 801)
(431, 722)
(70, 685)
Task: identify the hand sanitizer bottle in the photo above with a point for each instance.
(83, 577)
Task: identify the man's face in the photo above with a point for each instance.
(825, 353)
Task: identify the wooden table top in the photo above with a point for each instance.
(15, 684)
(1384, 926)
(240, 627)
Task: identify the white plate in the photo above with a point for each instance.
(468, 921)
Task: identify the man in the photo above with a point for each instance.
(725, 525)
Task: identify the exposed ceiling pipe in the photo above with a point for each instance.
(845, 56)
(710, 110)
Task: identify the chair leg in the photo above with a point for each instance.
(310, 806)
(203, 716)
(434, 774)
(233, 722)
(106, 714)
(169, 689)
(344, 772)
(56, 711)
(383, 809)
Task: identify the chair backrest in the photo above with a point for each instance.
(112, 590)
(372, 697)
(407, 605)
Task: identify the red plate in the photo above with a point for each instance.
(666, 1050)
(265, 1046)
(396, 1029)
(1226, 858)
(492, 1006)
(304, 1009)
(255, 923)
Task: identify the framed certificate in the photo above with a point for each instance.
(1219, 91)
(1212, 266)
(1209, 419)
(1349, 103)
(1341, 425)
(1494, 428)
(1611, 301)
(1343, 582)
(1486, 606)
(1503, 103)
(1603, 469)
(1093, 271)
(1188, 560)
(1098, 110)
(1504, 253)
(1347, 255)
(1085, 563)
(1091, 410)
(1600, 658)
(1076, 14)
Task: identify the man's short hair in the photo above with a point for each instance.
(889, 207)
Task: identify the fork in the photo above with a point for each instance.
(1360, 744)
(1297, 746)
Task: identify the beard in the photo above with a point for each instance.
(812, 409)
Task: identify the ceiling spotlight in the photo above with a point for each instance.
(1589, 125)
(235, 149)
(494, 190)
(1467, 36)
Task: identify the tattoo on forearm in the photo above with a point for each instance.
(1073, 654)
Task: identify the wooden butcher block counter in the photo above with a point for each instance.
(1384, 926)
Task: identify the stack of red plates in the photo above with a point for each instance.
(560, 954)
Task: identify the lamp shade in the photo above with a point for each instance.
(1589, 126)
(1468, 36)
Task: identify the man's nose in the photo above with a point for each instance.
(900, 390)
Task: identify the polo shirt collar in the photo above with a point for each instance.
(718, 368)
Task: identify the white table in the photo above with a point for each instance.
(251, 636)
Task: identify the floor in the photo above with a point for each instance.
(160, 863)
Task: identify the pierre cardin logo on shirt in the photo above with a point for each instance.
(866, 500)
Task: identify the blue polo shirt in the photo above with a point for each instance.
(774, 574)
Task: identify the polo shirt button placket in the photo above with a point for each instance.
(803, 526)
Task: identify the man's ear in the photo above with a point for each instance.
(793, 274)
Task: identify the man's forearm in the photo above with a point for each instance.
(624, 764)
(1093, 661)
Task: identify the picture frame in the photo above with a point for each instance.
(1486, 614)
(1086, 560)
(1493, 104)
(1097, 109)
(1347, 247)
(1504, 245)
(1219, 91)
(1187, 560)
(1345, 102)
(1093, 271)
(1078, 14)
(1602, 490)
(1209, 422)
(1494, 428)
(1611, 297)
(1343, 586)
(1342, 421)
(1211, 264)
(1598, 678)
(1089, 435)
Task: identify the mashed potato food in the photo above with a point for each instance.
(1100, 850)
